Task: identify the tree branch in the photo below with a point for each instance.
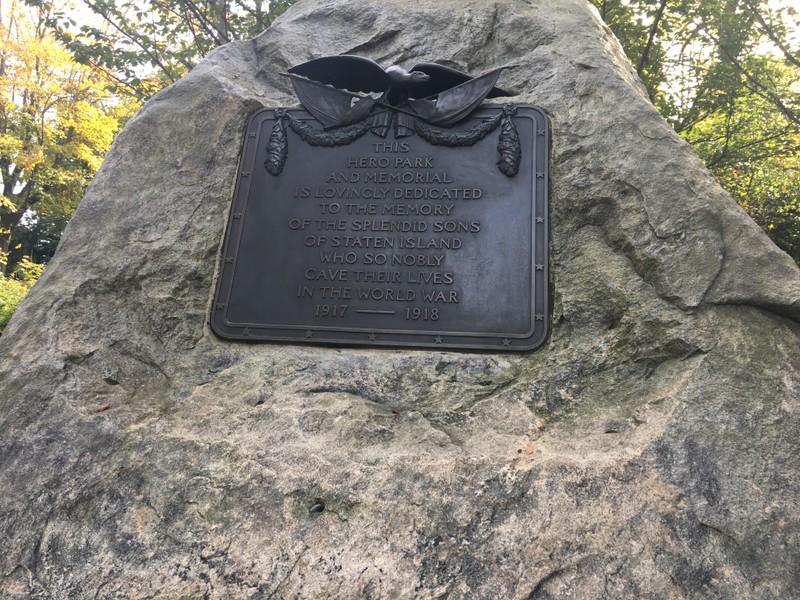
(768, 94)
(153, 58)
(651, 38)
(773, 37)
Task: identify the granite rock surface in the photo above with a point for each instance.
(650, 449)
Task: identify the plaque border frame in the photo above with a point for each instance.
(372, 337)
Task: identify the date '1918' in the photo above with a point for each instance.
(422, 314)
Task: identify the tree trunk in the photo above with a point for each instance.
(8, 221)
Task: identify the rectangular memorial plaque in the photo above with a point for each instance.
(383, 241)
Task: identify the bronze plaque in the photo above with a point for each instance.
(424, 240)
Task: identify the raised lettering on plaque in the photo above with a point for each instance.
(390, 230)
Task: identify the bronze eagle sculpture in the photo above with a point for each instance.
(330, 87)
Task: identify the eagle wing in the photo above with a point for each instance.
(443, 78)
(354, 73)
(328, 105)
(455, 103)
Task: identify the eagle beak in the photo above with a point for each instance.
(419, 77)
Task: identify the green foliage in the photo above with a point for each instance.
(726, 75)
(35, 238)
(14, 287)
(147, 44)
(57, 120)
(769, 190)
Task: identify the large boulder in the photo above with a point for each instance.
(648, 450)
